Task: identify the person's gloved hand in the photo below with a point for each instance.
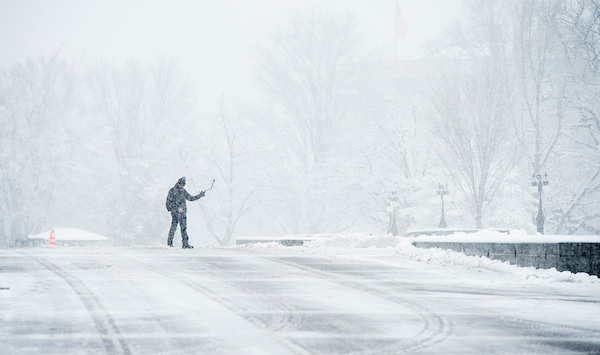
(202, 193)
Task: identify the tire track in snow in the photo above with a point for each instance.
(436, 328)
(283, 320)
(108, 330)
(286, 319)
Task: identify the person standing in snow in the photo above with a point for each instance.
(177, 206)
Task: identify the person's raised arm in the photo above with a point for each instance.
(194, 198)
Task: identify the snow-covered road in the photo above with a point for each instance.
(294, 300)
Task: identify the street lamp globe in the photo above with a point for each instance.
(393, 203)
(443, 190)
(538, 181)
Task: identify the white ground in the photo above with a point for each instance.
(339, 295)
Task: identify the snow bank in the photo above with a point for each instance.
(266, 245)
(355, 241)
(515, 236)
(448, 257)
(69, 234)
(403, 247)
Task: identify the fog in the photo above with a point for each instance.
(211, 39)
(308, 116)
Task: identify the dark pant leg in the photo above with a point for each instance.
(174, 221)
(183, 225)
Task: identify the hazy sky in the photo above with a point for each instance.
(210, 38)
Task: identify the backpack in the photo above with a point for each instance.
(169, 202)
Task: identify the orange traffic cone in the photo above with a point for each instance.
(52, 241)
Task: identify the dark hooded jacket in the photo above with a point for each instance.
(177, 196)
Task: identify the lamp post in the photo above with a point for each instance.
(442, 190)
(537, 180)
(392, 205)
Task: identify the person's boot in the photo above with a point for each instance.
(187, 246)
(170, 242)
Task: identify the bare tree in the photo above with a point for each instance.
(542, 81)
(580, 39)
(306, 70)
(472, 120)
(147, 108)
(36, 101)
(473, 104)
(235, 154)
(392, 154)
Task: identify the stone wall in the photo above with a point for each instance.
(574, 257)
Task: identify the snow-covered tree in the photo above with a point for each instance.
(541, 80)
(578, 167)
(147, 107)
(472, 120)
(234, 151)
(36, 110)
(305, 69)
